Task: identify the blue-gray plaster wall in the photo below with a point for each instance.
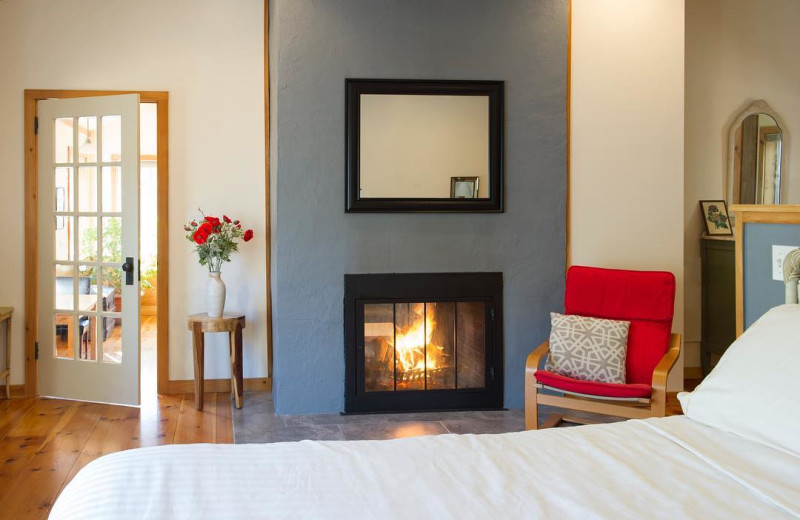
(314, 46)
(761, 292)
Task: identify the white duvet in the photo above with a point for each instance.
(658, 468)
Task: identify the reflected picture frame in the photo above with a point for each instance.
(716, 218)
(464, 187)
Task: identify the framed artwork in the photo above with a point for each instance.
(715, 215)
(464, 187)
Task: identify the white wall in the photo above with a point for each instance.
(209, 55)
(627, 124)
(737, 51)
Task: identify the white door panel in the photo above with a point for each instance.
(88, 224)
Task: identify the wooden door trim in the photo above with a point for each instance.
(32, 97)
(267, 216)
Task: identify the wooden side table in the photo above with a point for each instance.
(5, 316)
(232, 323)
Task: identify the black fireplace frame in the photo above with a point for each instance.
(427, 287)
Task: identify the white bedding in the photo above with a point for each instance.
(658, 468)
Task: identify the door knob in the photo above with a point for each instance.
(128, 268)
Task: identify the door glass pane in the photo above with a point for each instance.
(65, 230)
(63, 140)
(378, 347)
(64, 336)
(471, 341)
(87, 231)
(440, 352)
(64, 187)
(87, 139)
(112, 188)
(87, 188)
(410, 340)
(112, 239)
(112, 289)
(87, 337)
(112, 138)
(112, 339)
(64, 287)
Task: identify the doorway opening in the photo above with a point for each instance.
(148, 248)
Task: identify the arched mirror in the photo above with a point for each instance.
(757, 171)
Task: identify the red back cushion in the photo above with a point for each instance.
(645, 298)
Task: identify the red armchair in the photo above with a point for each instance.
(646, 299)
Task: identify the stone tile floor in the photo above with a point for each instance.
(256, 422)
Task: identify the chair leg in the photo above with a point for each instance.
(531, 407)
(553, 420)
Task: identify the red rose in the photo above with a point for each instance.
(226, 219)
(248, 235)
(214, 221)
(206, 227)
(200, 236)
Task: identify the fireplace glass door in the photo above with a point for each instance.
(427, 345)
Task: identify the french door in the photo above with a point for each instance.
(88, 238)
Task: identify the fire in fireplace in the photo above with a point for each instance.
(427, 341)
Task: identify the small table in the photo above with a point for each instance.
(232, 323)
(5, 316)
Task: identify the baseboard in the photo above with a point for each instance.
(186, 386)
(16, 391)
(692, 373)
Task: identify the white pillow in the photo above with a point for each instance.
(754, 391)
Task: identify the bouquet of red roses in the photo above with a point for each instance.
(216, 240)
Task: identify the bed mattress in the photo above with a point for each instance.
(656, 468)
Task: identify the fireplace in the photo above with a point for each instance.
(423, 342)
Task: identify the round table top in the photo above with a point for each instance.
(224, 323)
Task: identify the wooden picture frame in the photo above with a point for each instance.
(716, 218)
(459, 184)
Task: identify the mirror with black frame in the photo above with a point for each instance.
(424, 145)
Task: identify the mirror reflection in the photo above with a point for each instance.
(424, 146)
(757, 157)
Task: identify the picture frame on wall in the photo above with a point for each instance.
(715, 216)
(464, 187)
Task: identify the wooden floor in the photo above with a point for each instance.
(44, 442)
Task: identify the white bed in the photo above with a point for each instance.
(677, 467)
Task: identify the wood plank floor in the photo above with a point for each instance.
(44, 442)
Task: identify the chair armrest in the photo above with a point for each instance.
(664, 367)
(535, 357)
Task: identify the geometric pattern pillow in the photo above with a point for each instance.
(589, 349)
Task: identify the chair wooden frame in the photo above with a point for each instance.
(635, 408)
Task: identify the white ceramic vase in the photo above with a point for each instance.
(215, 295)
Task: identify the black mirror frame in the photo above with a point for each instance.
(355, 87)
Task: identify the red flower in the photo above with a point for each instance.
(214, 221)
(226, 219)
(194, 223)
(206, 227)
(248, 235)
(200, 236)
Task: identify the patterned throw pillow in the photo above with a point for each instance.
(589, 349)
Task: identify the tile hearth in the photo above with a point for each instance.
(257, 423)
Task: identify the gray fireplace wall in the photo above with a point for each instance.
(314, 46)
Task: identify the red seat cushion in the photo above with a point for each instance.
(592, 387)
(645, 298)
